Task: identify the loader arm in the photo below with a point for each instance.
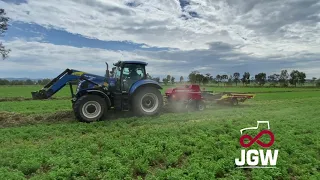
(66, 77)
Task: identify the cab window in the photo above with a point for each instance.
(117, 73)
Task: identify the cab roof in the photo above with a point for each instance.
(121, 63)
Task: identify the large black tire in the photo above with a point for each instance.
(147, 102)
(89, 108)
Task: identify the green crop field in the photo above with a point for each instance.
(42, 139)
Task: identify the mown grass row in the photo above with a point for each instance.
(200, 145)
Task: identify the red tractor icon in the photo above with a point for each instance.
(256, 138)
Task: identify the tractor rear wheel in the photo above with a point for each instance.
(89, 108)
(147, 102)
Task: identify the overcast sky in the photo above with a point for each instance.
(174, 36)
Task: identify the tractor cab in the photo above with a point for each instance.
(132, 87)
(126, 73)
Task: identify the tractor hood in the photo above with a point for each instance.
(94, 78)
(83, 84)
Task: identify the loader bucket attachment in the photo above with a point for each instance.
(39, 95)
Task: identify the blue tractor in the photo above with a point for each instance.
(125, 88)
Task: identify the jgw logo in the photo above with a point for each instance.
(250, 158)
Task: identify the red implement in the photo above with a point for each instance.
(185, 92)
(188, 96)
(192, 96)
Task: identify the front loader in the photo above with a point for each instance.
(126, 88)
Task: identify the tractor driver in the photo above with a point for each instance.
(133, 73)
(132, 77)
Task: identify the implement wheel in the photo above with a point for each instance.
(201, 106)
(147, 102)
(234, 101)
(89, 108)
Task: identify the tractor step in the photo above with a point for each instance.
(117, 101)
(125, 102)
(121, 101)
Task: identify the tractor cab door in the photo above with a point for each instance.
(126, 76)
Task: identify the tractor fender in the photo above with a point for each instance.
(144, 83)
(95, 92)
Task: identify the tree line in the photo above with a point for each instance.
(24, 82)
(283, 79)
(167, 80)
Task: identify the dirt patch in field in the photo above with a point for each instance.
(4, 99)
(9, 119)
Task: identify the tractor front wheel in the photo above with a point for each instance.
(89, 108)
(147, 102)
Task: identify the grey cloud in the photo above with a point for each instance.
(288, 12)
(105, 8)
(226, 60)
(230, 35)
(244, 6)
(216, 61)
(220, 46)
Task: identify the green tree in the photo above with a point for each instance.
(294, 77)
(318, 83)
(246, 78)
(4, 82)
(165, 81)
(230, 80)
(192, 76)
(172, 80)
(3, 28)
(199, 78)
(45, 81)
(181, 78)
(205, 80)
(17, 82)
(208, 77)
(218, 79)
(301, 78)
(236, 77)
(273, 79)
(28, 82)
(224, 78)
(283, 79)
(168, 78)
(261, 78)
(297, 77)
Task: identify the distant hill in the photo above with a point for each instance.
(21, 79)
